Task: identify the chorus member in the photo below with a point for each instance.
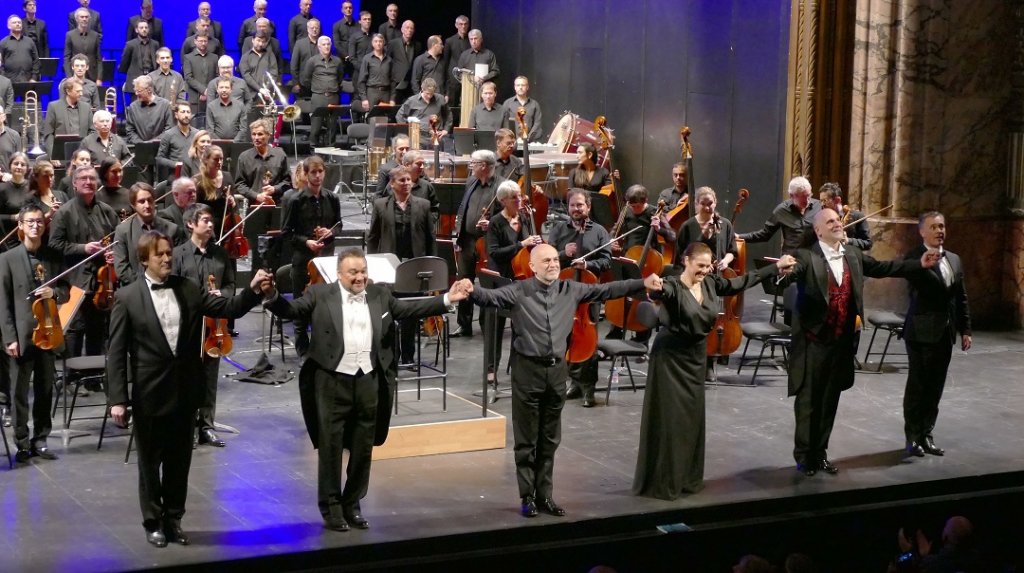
(103, 141)
(167, 83)
(858, 235)
(201, 261)
(139, 55)
(83, 38)
(403, 51)
(475, 211)
(213, 187)
(204, 12)
(323, 74)
(430, 64)
(249, 25)
(239, 90)
(66, 116)
(6, 101)
(94, 17)
(46, 197)
(675, 195)
(478, 54)
(10, 140)
(509, 166)
(573, 239)
(588, 174)
(542, 310)
(77, 230)
(302, 50)
(256, 64)
(830, 295)
(191, 164)
(19, 54)
(80, 71)
(273, 47)
(421, 186)
(149, 115)
(390, 28)
(297, 25)
(401, 224)
(126, 260)
(183, 191)
(670, 462)
(346, 382)
(176, 140)
(79, 158)
(156, 25)
(534, 119)
(508, 233)
(35, 28)
(313, 219)
(794, 216)
(110, 192)
(211, 45)
(343, 29)
(23, 271)
(488, 115)
(199, 68)
(454, 46)
(155, 332)
(226, 117)
(399, 145)
(374, 85)
(422, 107)
(359, 42)
(938, 310)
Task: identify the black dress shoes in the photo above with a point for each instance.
(549, 507)
(22, 456)
(356, 519)
(929, 447)
(915, 449)
(335, 522)
(208, 436)
(156, 538)
(461, 333)
(807, 469)
(828, 467)
(573, 392)
(529, 508)
(174, 534)
(43, 452)
(588, 399)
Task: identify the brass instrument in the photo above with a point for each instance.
(30, 119)
(110, 102)
(290, 112)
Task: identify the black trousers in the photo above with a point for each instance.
(494, 330)
(829, 369)
(467, 267)
(36, 367)
(299, 279)
(347, 408)
(318, 101)
(926, 380)
(88, 330)
(208, 411)
(584, 374)
(165, 456)
(538, 395)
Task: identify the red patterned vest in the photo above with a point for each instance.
(840, 298)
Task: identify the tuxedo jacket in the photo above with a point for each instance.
(381, 236)
(323, 307)
(17, 280)
(164, 382)
(936, 312)
(126, 255)
(811, 276)
(56, 122)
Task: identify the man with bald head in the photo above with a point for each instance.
(542, 309)
(830, 295)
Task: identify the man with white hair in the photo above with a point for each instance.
(104, 142)
(248, 28)
(225, 69)
(322, 74)
(478, 54)
(795, 216)
(94, 17)
(83, 40)
(149, 115)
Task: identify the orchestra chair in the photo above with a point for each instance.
(892, 322)
(79, 371)
(283, 278)
(622, 350)
(770, 288)
(357, 134)
(770, 334)
(130, 433)
(414, 279)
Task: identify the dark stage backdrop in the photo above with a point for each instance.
(652, 66)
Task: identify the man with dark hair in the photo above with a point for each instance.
(198, 69)
(422, 106)
(156, 25)
(80, 71)
(216, 30)
(18, 53)
(359, 42)
(175, 142)
(430, 64)
(343, 29)
(225, 117)
(167, 83)
(255, 64)
(128, 232)
(155, 333)
(35, 28)
(66, 116)
(938, 311)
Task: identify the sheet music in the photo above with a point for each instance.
(480, 70)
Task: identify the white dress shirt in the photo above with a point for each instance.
(835, 260)
(167, 311)
(358, 333)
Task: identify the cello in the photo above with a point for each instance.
(681, 212)
(583, 341)
(726, 335)
(611, 191)
(621, 312)
(48, 333)
(217, 341)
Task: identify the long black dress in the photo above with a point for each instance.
(671, 457)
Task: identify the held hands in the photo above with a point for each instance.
(653, 282)
(786, 264)
(460, 290)
(263, 282)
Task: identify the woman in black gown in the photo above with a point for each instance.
(671, 458)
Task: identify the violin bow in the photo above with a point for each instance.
(868, 216)
(69, 270)
(584, 257)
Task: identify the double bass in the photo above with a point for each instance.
(583, 341)
(534, 196)
(726, 335)
(48, 333)
(610, 191)
(679, 214)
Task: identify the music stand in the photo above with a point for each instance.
(60, 146)
(484, 139)
(491, 280)
(416, 277)
(465, 140)
(145, 158)
(236, 149)
(382, 110)
(330, 115)
(70, 146)
(39, 87)
(47, 67)
(382, 133)
(107, 72)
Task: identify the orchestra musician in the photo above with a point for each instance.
(256, 63)
(478, 54)
(226, 117)
(211, 43)
(430, 64)
(359, 42)
(401, 224)
(83, 37)
(454, 46)
(343, 29)
(300, 52)
(199, 68)
(110, 192)
(858, 235)
(588, 174)
(198, 259)
(212, 187)
(46, 197)
(15, 191)
(128, 232)
(239, 90)
(322, 74)
(35, 28)
(488, 115)
(103, 142)
(167, 83)
(155, 334)
(573, 239)
(79, 69)
(262, 176)
(312, 219)
(176, 140)
(477, 207)
(795, 216)
(18, 53)
(403, 51)
(297, 25)
(534, 119)
(139, 55)
(509, 166)
(424, 105)
(183, 193)
(421, 185)
(66, 116)
(250, 25)
(76, 230)
(20, 282)
(203, 12)
(674, 195)
(399, 145)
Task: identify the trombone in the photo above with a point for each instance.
(110, 101)
(290, 112)
(30, 119)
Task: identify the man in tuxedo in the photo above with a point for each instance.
(347, 381)
(830, 279)
(23, 270)
(158, 322)
(126, 258)
(938, 311)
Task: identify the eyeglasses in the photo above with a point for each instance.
(33, 222)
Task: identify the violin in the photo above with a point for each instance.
(106, 284)
(218, 341)
(268, 201)
(48, 333)
(312, 272)
(235, 242)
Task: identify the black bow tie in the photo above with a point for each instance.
(158, 286)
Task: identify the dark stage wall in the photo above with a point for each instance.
(652, 66)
